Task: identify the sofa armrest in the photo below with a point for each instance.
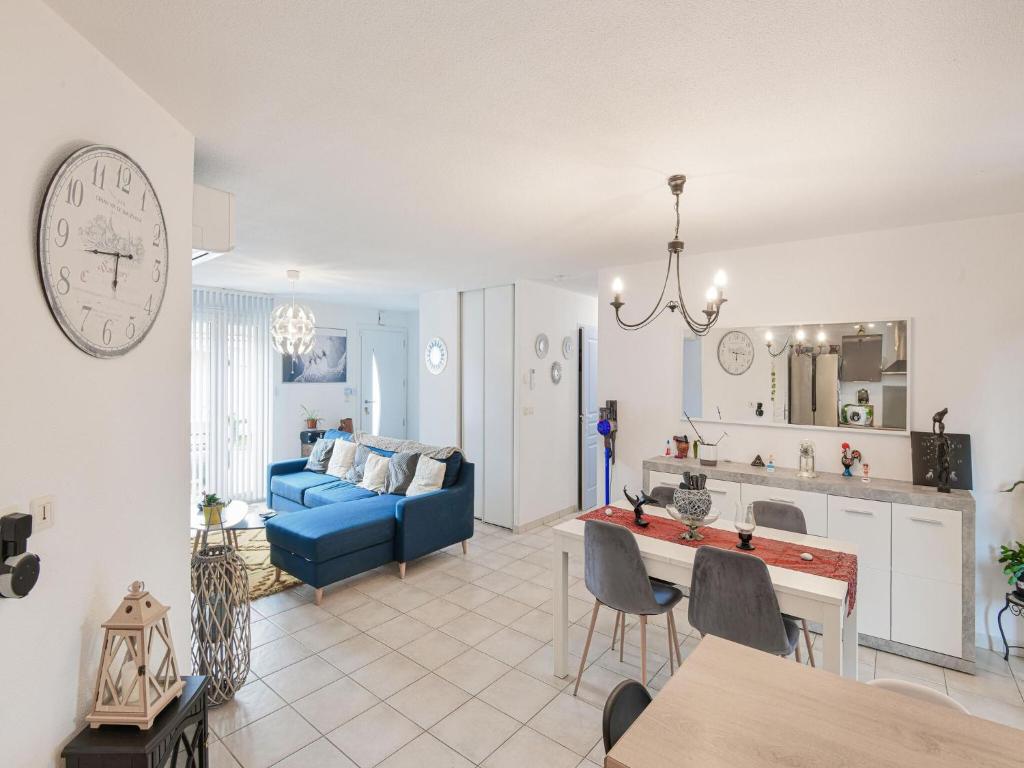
(283, 468)
(435, 520)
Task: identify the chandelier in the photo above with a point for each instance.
(292, 325)
(714, 296)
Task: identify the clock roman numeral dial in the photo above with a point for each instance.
(103, 251)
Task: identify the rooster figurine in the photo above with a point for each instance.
(848, 458)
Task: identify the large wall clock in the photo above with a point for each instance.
(103, 251)
(735, 352)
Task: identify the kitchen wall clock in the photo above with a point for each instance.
(103, 254)
(735, 352)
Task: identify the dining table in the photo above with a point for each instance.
(815, 598)
(730, 705)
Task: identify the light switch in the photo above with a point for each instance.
(42, 509)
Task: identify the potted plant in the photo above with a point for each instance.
(212, 506)
(311, 416)
(1012, 558)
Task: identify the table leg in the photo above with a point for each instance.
(850, 640)
(561, 606)
(1002, 634)
(832, 639)
(195, 543)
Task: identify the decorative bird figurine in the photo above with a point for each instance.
(638, 505)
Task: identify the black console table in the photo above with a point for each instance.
(176, 740)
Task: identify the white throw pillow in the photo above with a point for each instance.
(375, 472)
(429, 476)
(342, 458)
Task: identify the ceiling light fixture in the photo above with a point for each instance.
(714, 296)
(292, 325)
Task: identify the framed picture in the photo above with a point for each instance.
(325, 363)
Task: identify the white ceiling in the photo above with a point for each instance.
(387, 148)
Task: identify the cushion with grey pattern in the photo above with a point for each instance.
(320, 456)
(355, 475)
(401, 471)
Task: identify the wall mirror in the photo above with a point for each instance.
(847, 375)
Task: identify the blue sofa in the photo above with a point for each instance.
(329, 529)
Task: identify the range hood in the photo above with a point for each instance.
(899, 365)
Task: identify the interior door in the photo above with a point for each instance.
(384, 381)
(589, 439)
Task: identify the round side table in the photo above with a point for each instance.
(1014, 605)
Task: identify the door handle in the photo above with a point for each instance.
(714, 490)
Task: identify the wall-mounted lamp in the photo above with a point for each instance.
(769, 340)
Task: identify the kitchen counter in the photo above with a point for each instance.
(879, 489)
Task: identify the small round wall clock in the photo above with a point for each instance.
(436, 355)
(735, 352)
(540, 345)
(103, 251)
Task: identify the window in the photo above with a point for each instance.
(231, 393)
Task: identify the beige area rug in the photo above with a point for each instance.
(255, 551)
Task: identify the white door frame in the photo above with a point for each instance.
(398, 329)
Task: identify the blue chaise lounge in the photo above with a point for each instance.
(328, 529)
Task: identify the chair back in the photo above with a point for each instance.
(625, 704)
(779, 515)
(731, 596)
(920, 692)
(614, 571)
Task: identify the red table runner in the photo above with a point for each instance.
(783, 554)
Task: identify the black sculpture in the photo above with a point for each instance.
(943, 473)
(638, 506)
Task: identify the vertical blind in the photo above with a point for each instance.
(231, 393)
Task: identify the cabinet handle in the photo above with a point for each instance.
(783, 501)
(714, 490)
(926, 520)
(859, 512)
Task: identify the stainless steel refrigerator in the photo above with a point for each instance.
(814, 390)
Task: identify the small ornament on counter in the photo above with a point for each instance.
(770, 466)
(807, 459)
(668, 451)
(865, 470)
(758, 461)
(848, 458)
(682, 446)
(759, 410)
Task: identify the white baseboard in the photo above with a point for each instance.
(545, 520)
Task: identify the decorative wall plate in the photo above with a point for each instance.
(556, 372)
(436, 355)
(540, 345)
(567, 347)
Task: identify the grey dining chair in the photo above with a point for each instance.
(732, 597)
(625, 704)
(786, 517)
(920, 692)
(616, 576)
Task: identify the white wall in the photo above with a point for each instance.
(547, 462)
(329, 400)
(959, 282)
(439, 395)
(109, 438)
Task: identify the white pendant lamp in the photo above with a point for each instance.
(292, 325)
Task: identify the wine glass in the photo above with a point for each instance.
(745, 525)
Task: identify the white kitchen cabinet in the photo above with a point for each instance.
(927, 613)
(873, 601)
(813, 505)
(927, 542)
(868, 524)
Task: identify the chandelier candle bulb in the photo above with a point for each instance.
(721, 279)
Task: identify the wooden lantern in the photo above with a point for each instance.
(138, 674)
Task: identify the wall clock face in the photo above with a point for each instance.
(103, 251)
(735, 352)
(436, 355)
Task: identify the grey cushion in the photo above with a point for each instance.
(355, 475)
(320, 456)
(401, 470)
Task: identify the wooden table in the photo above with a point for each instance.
(729, 705)
(815, 598)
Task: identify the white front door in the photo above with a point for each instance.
(384, 381)
(589, 412)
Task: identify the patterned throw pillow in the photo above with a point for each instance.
(342, 458)
(429, 475)
(355, 475)
(401, 471)
(375, 473)
(320, 456)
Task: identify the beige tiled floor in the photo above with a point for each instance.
(452, 668)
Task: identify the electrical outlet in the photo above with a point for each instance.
(42, 509)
